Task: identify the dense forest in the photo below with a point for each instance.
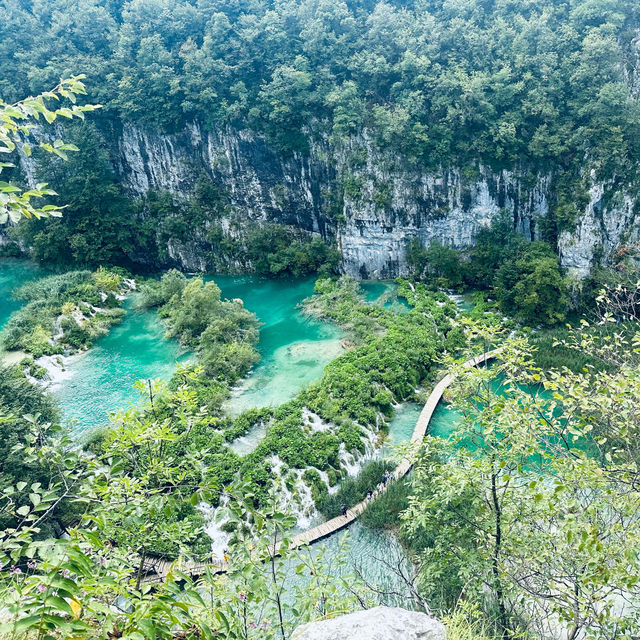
(161, 152)
(535, 87)
(542, 82)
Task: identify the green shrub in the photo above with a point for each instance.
(384, 512)
(353, 490)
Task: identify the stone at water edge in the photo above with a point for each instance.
(381, 623)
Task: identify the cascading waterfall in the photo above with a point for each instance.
(219, 537)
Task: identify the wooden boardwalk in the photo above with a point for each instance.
(157, 568)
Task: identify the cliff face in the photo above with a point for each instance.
(370, 203)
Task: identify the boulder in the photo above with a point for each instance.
(381, 623)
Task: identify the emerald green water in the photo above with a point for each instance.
(15, 272)
(401, 427)
(294, 349)
(385, 293)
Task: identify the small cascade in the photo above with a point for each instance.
(298, 502)
(348, 461)
(314, 422)
(213, 528)
(307, 512)
(461, 301)
(244, 445)
(58, 369)
(325, 478)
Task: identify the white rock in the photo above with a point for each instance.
(381, 623)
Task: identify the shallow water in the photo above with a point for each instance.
(367, 553)
(401, 428)
(384, 292)
(102, 378)
(14, 272)
(294, 349)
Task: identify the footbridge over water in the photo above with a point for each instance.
(156, 569)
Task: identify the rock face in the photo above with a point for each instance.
(381, 623)
(370, 202)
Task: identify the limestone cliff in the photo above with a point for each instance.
(370, 202)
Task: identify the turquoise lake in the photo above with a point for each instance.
(293, 348)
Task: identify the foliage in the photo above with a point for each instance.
(527, 509)
(277, 250)
(495, 245)
(17, 122)
(69, 306)
(439, 263)
(98, 225)
(70, 586)
(525, 277)
(222, 331)
(20, 404)
(353, 490)
(384, 512)
(531, 286)
(440, 83)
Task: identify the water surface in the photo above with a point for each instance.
(294, 349)
(14, 272)
(102, 378)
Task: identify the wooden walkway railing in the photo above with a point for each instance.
(157, 568)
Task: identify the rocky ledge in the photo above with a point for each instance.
(381, 623)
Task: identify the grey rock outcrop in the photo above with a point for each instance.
(381, 623)
(371, 202)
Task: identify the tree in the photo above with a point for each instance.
(71, 586)
(97, 226)
(437, 263)
(531, 500)
(17, 122)
(493, 246)
(531, 286)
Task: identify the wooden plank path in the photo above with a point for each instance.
(158, 568)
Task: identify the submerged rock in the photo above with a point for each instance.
(381, 623)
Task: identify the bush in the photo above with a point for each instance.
(353, 490)
(54, 298)
(531, 286)
(278, 250)
(384, 512)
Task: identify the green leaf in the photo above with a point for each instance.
(60, 604)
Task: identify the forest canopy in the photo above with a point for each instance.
(438, 81)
